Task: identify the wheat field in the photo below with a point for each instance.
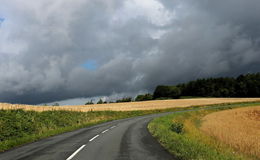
(238, 128)
(132, 106)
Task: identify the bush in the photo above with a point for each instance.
(145, 97)
(177, 127)
(127, 99)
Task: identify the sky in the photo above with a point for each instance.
(74, 50)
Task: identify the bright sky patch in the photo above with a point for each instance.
(90, 65)
(1, 20)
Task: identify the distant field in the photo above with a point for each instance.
(132, 106)
(239, 128)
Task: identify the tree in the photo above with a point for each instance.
(167, 92)
(89, 103)
(161, 92)
(175, 92)
(56, 104)
(247, 85)
(100, 101)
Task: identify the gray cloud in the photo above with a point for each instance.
(136, 45)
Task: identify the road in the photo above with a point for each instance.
(126, 139)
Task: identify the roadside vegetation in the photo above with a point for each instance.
(181, 135)
(19, 127)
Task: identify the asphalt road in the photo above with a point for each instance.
(126, 139)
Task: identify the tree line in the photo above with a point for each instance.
(247, 85)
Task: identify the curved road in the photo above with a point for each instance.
(126, 139)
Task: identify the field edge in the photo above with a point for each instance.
(189, 144)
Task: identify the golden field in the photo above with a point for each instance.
(132, 106)
(238, 128)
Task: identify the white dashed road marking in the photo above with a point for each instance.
(105, 131)
(112, 127)
(77, 151)
(93, 138)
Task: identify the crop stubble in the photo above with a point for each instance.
(238, 128)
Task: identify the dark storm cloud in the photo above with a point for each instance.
(136, 45)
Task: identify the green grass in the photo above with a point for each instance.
(191, 143)
(18, 127)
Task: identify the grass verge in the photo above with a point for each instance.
(179, 133)
(18, 127)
